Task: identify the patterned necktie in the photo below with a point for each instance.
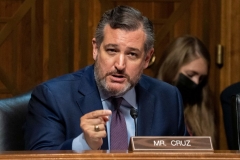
(118, 129)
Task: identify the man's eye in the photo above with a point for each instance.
(111, 50)
(132, 54)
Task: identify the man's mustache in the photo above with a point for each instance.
(118, 72)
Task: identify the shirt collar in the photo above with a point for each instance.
(129, 97)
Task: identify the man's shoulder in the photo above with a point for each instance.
(155, 85)
(69, 85)
(154, 82)
(157, 88)
(74, 76)
(73, 79)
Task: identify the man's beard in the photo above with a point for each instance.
(105, 88)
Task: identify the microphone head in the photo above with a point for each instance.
(133, 113)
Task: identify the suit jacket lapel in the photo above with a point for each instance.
(145, 102)
(89, 99)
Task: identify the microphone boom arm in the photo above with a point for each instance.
(134, 114)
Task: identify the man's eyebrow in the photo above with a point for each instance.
(110, 45)
(134, 49)
(115, 45)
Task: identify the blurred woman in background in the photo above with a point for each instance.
(185, 64)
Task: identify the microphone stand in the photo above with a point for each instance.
(135, 121)
(134, 114)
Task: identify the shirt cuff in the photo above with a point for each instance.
(79, 143)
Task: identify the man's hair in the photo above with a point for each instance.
(125, 18)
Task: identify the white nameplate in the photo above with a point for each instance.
(171, 143)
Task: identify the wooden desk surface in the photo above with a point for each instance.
(57, 155)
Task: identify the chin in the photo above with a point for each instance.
(116, 88)
(119, 89)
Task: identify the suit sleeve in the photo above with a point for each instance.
(44, 128)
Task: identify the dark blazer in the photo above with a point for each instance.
(56, 106)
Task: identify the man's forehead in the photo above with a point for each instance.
(107, 27)
(123, 35)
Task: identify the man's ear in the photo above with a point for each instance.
(95, 48)
(148, 57)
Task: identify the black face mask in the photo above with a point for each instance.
(191, 92)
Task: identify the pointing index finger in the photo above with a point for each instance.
(99, 113)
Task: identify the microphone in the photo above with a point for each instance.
(134, 114)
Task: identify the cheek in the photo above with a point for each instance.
(105, 63)
(134, 69)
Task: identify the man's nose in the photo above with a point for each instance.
(120, 63)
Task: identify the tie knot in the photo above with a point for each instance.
(117, 102)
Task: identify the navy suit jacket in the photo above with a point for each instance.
(56, 106)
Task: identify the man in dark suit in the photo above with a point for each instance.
(74, 111)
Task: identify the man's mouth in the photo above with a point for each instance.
(119, 78)
(118, 75)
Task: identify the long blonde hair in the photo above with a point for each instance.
(198, 117)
